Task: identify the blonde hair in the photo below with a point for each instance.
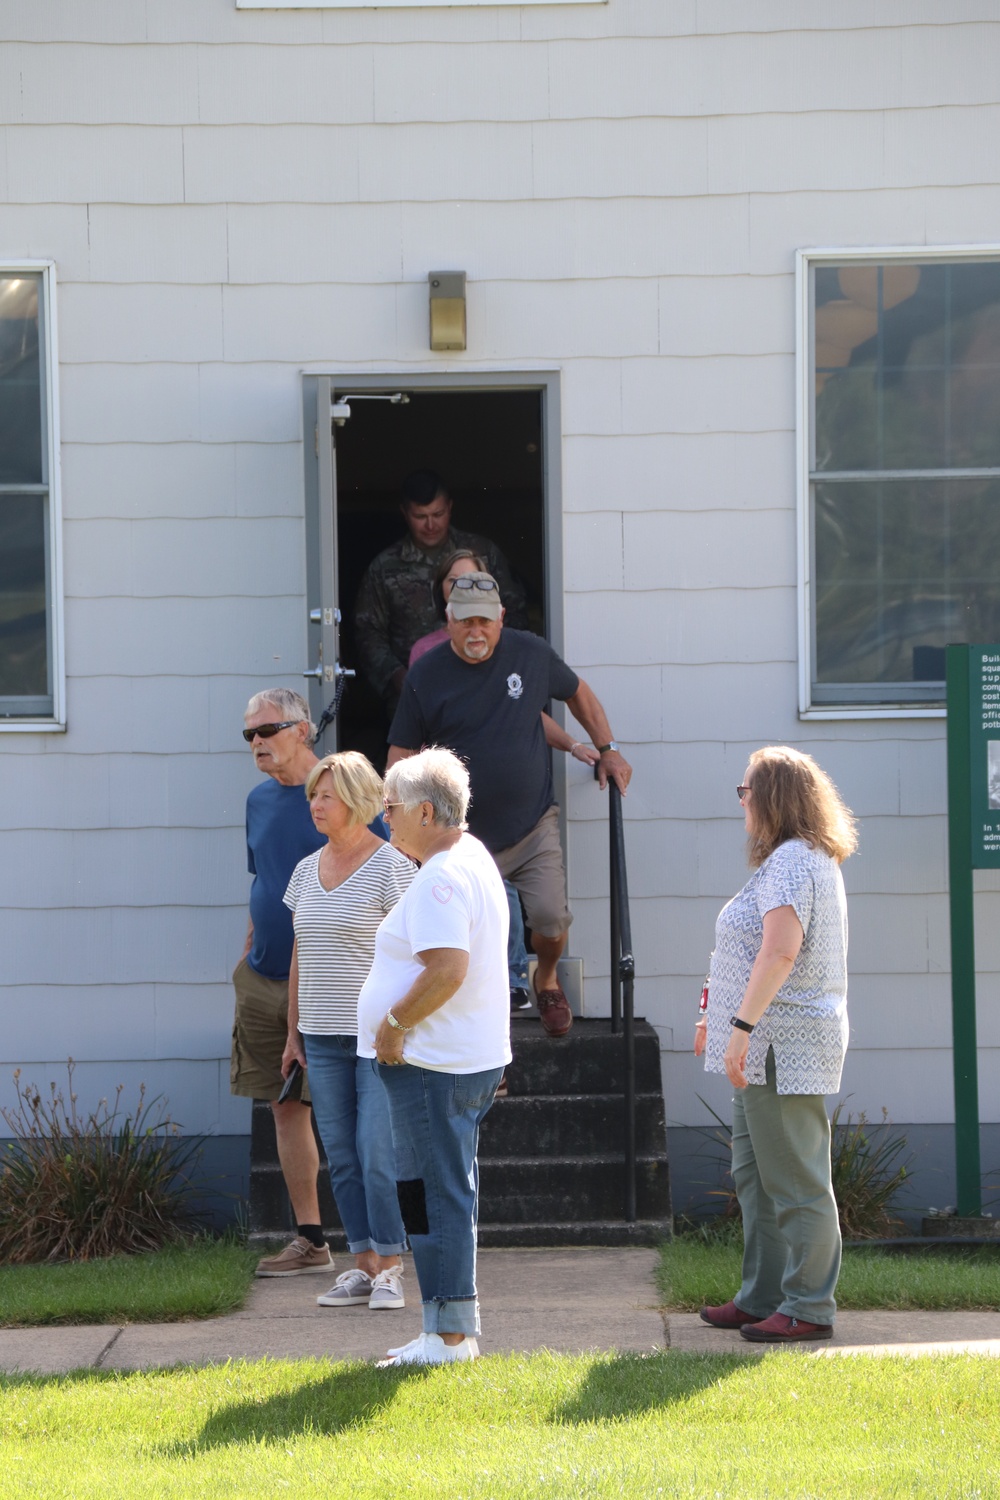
(791, 797)
(355, 781)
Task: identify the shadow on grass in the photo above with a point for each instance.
(349, 1397)
(630, 1384)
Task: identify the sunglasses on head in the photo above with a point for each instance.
(467, 582)
(267, 730)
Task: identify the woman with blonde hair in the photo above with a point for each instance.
(776, 1025)
(339, 898)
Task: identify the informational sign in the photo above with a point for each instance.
(984, 755)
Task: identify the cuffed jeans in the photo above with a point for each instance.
(435, 1129)
(352, 1118)
(791, 1229)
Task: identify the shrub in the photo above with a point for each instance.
(866, 1172)
(73, 1188)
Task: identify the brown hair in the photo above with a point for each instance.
(444, 568)
(792, 798)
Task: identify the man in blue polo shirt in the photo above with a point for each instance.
(481, 694)
(280, 832)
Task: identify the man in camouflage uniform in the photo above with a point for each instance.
(395, 606)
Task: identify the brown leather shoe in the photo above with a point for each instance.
(553, 1008)
(727, 1316)
(779, 1328)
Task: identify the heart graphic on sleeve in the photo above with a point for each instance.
(442, 893)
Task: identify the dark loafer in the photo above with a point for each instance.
(727, 1316)
(779, 1328)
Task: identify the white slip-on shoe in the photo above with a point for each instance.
(387, 1289)
(350, 1289)
(431, 1349)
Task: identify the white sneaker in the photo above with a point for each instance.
(431, 1349)
(350, 1288)
(387, 1289)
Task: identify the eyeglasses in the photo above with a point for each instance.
(741, 792)
(267, 730)
(388, 806)
(466, 581)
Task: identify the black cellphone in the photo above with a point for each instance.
(293, 1074)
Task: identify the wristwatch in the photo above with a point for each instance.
(611, 745)
(396, 1025)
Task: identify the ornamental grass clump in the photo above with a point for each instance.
(76, 1187)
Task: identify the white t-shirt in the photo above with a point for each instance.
(457, 900)
(335, 935)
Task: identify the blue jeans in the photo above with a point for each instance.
(517, 953)
(353, 1122)
(435, 1129)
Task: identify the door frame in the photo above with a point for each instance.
(320, 532)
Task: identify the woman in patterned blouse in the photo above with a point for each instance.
(777, 1027)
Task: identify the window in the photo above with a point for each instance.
(900, 473)
(30, 665)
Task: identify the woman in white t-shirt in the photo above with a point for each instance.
(338, 897)
(435, 1013)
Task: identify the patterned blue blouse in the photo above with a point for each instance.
(806, 1022)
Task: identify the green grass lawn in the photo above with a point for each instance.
(196, 1280)
(693, 1273)
(666, 1424)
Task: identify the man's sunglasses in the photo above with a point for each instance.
(465, 582)
(267, 730)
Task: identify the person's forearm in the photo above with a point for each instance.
(768, 974)
(248, 943)
(430, 990)
(396, 753)
(293, 992)
(586, 708)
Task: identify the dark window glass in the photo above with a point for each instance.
(20, 382)
(24, 667)
(907, 363)
(904, 568)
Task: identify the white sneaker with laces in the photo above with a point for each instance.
(431, 1349)
(349, 1289)
(387, 1289)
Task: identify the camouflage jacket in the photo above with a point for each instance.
(395, 606)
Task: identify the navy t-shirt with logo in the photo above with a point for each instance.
(489, 714)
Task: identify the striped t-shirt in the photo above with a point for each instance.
(335, 935)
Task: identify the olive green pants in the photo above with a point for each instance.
(791, 1230)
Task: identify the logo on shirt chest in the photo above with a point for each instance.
(515, 687)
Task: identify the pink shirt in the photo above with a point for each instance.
(427, 643)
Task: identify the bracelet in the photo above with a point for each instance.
(396, 1025)
(742, 1025)
(574, 747)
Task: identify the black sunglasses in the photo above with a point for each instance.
(741, 792)
(267, 730)
(466, 582)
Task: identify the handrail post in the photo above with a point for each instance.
(622, 986)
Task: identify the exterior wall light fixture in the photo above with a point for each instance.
(447, 309)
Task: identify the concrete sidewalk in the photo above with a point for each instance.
(566, 1300)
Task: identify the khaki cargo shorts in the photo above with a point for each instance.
(534, 866)
(260, 1031)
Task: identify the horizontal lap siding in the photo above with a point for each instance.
(233, 196)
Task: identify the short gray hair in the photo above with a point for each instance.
(290, 704)
(436, 776)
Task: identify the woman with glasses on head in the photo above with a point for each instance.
(776, 1025)
(339, 897)
(434, 1013)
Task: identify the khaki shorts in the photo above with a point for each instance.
(260, 1031)
(535, 867)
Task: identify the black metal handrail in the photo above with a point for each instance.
(622, 983)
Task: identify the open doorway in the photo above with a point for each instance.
(489, 447)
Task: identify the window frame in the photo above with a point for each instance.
(54, 723)
(806, 261)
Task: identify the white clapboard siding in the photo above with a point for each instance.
(234, 197)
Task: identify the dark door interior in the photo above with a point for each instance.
(487, 446)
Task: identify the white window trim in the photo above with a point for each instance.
(396, 4)
(50, 355)
(805, 260)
